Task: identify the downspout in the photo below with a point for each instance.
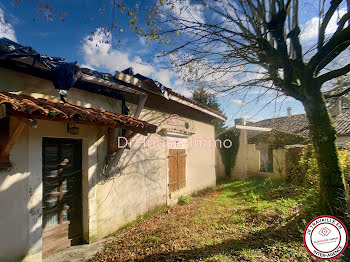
(119, 151)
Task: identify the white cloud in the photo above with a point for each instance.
(238, 102)
(98, 52)
(184, 91)
(309, 30)
(185, 11)
(6, 29)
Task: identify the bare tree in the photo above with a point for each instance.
(220, 42)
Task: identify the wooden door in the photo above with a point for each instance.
(62, 194)
(177, 169)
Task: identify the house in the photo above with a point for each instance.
(270, 147)
(82, 153)
(299, 125)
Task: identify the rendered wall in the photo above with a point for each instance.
(253, 158)
(240, 169)
(138, 185)
(21, 185)
(14, 200)
(140, 181)
(341, 140)
(253, 163)
(219, 166)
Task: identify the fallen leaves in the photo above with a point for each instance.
(233, 222)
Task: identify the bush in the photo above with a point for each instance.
(309, 168)
(184, 200)
(308, 165)
(229, 155)
(344, 157)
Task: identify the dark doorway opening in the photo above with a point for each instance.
(62, 194)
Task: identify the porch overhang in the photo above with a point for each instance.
(24, 106)
(27, 108)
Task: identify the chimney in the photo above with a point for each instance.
(240, 121)
(338, 106)
(289, 111)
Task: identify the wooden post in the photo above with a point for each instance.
(111, 141)
(5, 150)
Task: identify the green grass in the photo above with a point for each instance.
(251, 220)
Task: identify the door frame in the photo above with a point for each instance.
(59, 233)
(91, 138)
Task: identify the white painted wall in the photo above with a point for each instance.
(140, 182)
(138, 186)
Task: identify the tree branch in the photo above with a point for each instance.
(342, 21)
(337, 44)
(333, 74)
(344, 92)
(294, 38)
(327, 18)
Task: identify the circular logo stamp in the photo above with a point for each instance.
(174, 119)
(325, 237)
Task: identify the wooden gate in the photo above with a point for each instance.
(62, 194)
(177, 169)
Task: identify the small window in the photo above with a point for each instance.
(177, 169)
(266, 159)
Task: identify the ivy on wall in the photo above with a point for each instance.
(228, 155)
(278, 139)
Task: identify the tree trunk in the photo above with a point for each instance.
(323, 135)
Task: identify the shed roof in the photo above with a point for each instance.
(38, 108)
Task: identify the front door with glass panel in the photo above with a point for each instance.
(62, 194)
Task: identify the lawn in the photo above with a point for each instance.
(254, 220)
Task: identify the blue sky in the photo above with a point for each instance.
(70, 39)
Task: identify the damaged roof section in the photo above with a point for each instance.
(66, 75)
(39, 108)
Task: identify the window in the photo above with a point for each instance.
(177, 169)
(266, 159)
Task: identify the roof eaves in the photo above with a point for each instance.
(25, 106)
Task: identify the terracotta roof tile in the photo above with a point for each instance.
(296, 124)
(299, 124)
(342, 122)
(39, 108)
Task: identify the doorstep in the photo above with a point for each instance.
(77, 253)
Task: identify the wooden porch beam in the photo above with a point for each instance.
(112, 142)
(6, 149)
(114, 147)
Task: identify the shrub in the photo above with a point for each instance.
(309, 168)
(344, 157)
(184, 200)
(229, 155)
(308, 165)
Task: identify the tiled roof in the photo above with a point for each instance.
(168, 91)
(39, 108)
(299, 124)
(195, 102)
(296, 124)
(10, 50)
(342, 122)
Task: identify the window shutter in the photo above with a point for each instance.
(181, 166)
(173, 185)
